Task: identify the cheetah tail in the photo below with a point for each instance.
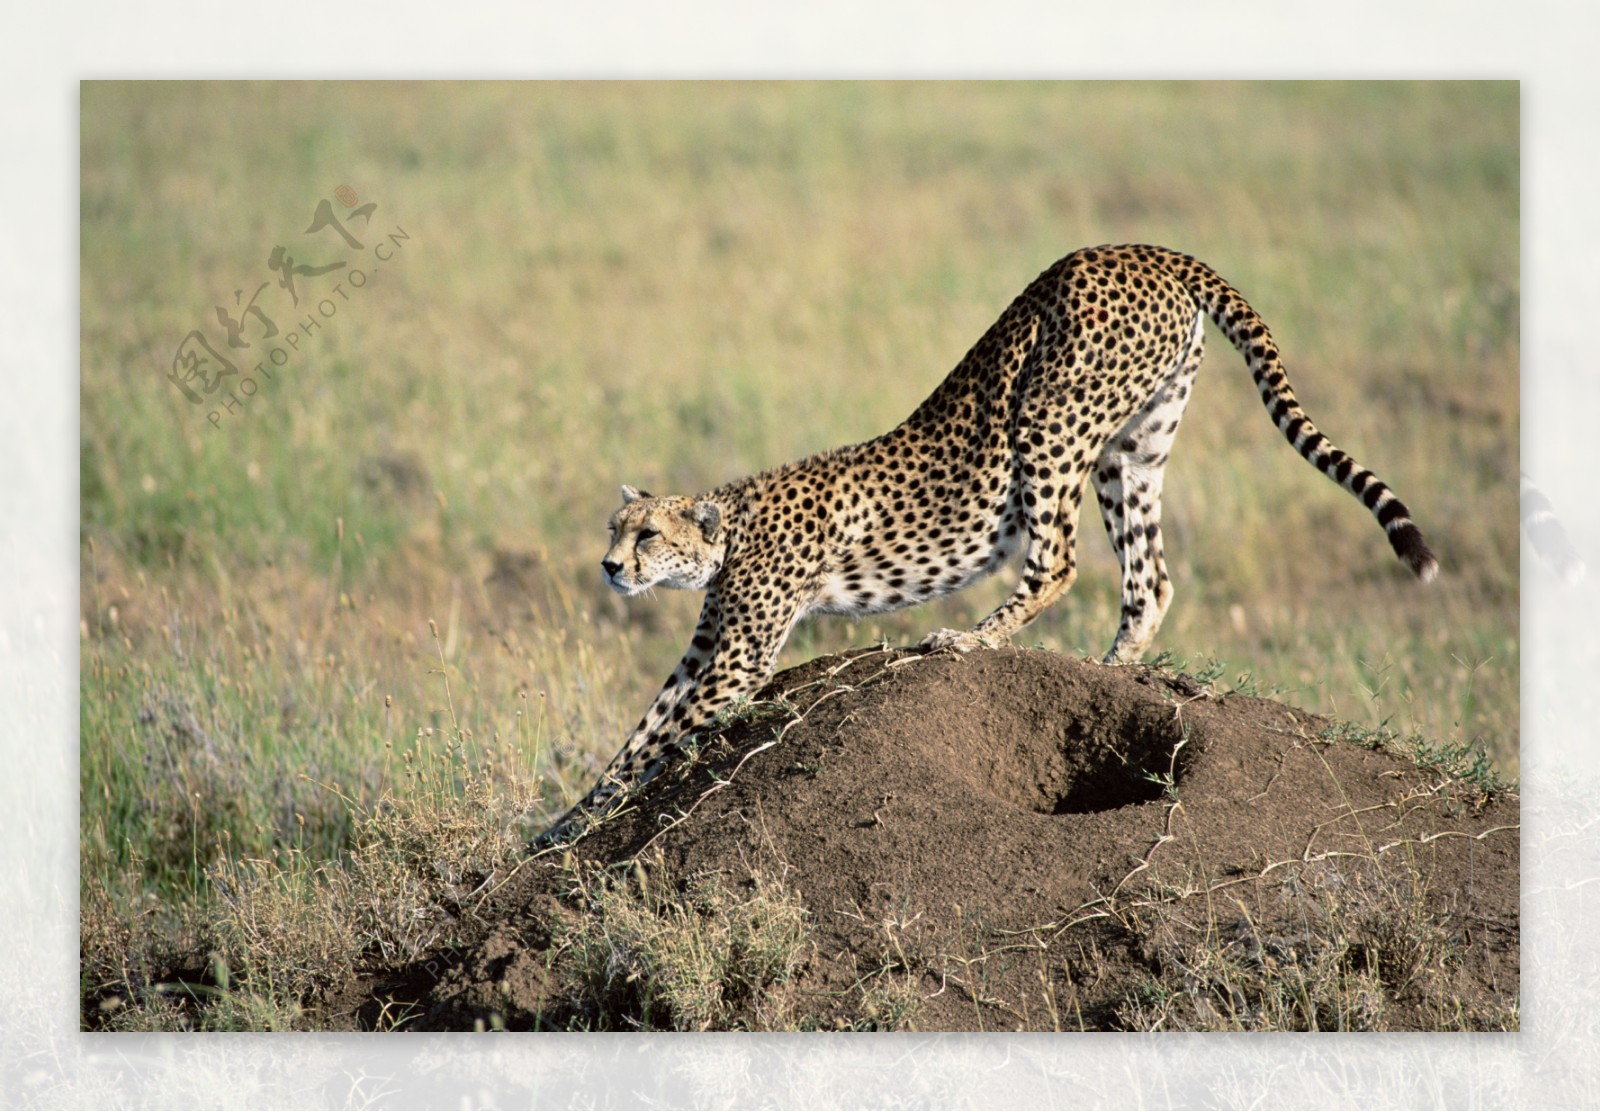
(1248, 333)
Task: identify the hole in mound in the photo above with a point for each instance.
(1064, 756)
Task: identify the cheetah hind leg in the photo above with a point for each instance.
(1049, 569)
(957, 640)
(1048, 573)
(1128, 476)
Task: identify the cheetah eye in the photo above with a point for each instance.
(646, 534)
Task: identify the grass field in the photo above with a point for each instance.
(368, 588)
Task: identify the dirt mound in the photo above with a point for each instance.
(1010, 839)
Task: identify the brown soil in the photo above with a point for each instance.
(1016, 839)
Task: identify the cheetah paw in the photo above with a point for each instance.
(557, 837)
(563, 834)
(956, 640)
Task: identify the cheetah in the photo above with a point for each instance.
(1083, 378)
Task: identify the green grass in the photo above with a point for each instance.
(673, 286)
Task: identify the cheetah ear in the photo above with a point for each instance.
(708, 515)
(630, 494)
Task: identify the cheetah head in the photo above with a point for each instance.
(668, 542)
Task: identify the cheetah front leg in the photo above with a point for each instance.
(726, 661)
(620, 774)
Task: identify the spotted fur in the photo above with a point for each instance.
(1083, 378)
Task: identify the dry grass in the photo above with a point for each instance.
(1339, 947)
(264, 937)
(717, 956)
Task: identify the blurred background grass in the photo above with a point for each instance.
(673, 285)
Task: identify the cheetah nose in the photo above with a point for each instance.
(610, 567)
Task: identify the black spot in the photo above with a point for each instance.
(1409, 546)
(1395, 508)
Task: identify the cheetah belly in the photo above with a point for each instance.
(863, 579)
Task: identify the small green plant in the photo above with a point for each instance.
(752, 711)
(1464, 762)
(1168, 780)
(810, 768)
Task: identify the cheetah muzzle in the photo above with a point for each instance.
(1084, 378)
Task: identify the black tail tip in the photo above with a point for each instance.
(1411, 548)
